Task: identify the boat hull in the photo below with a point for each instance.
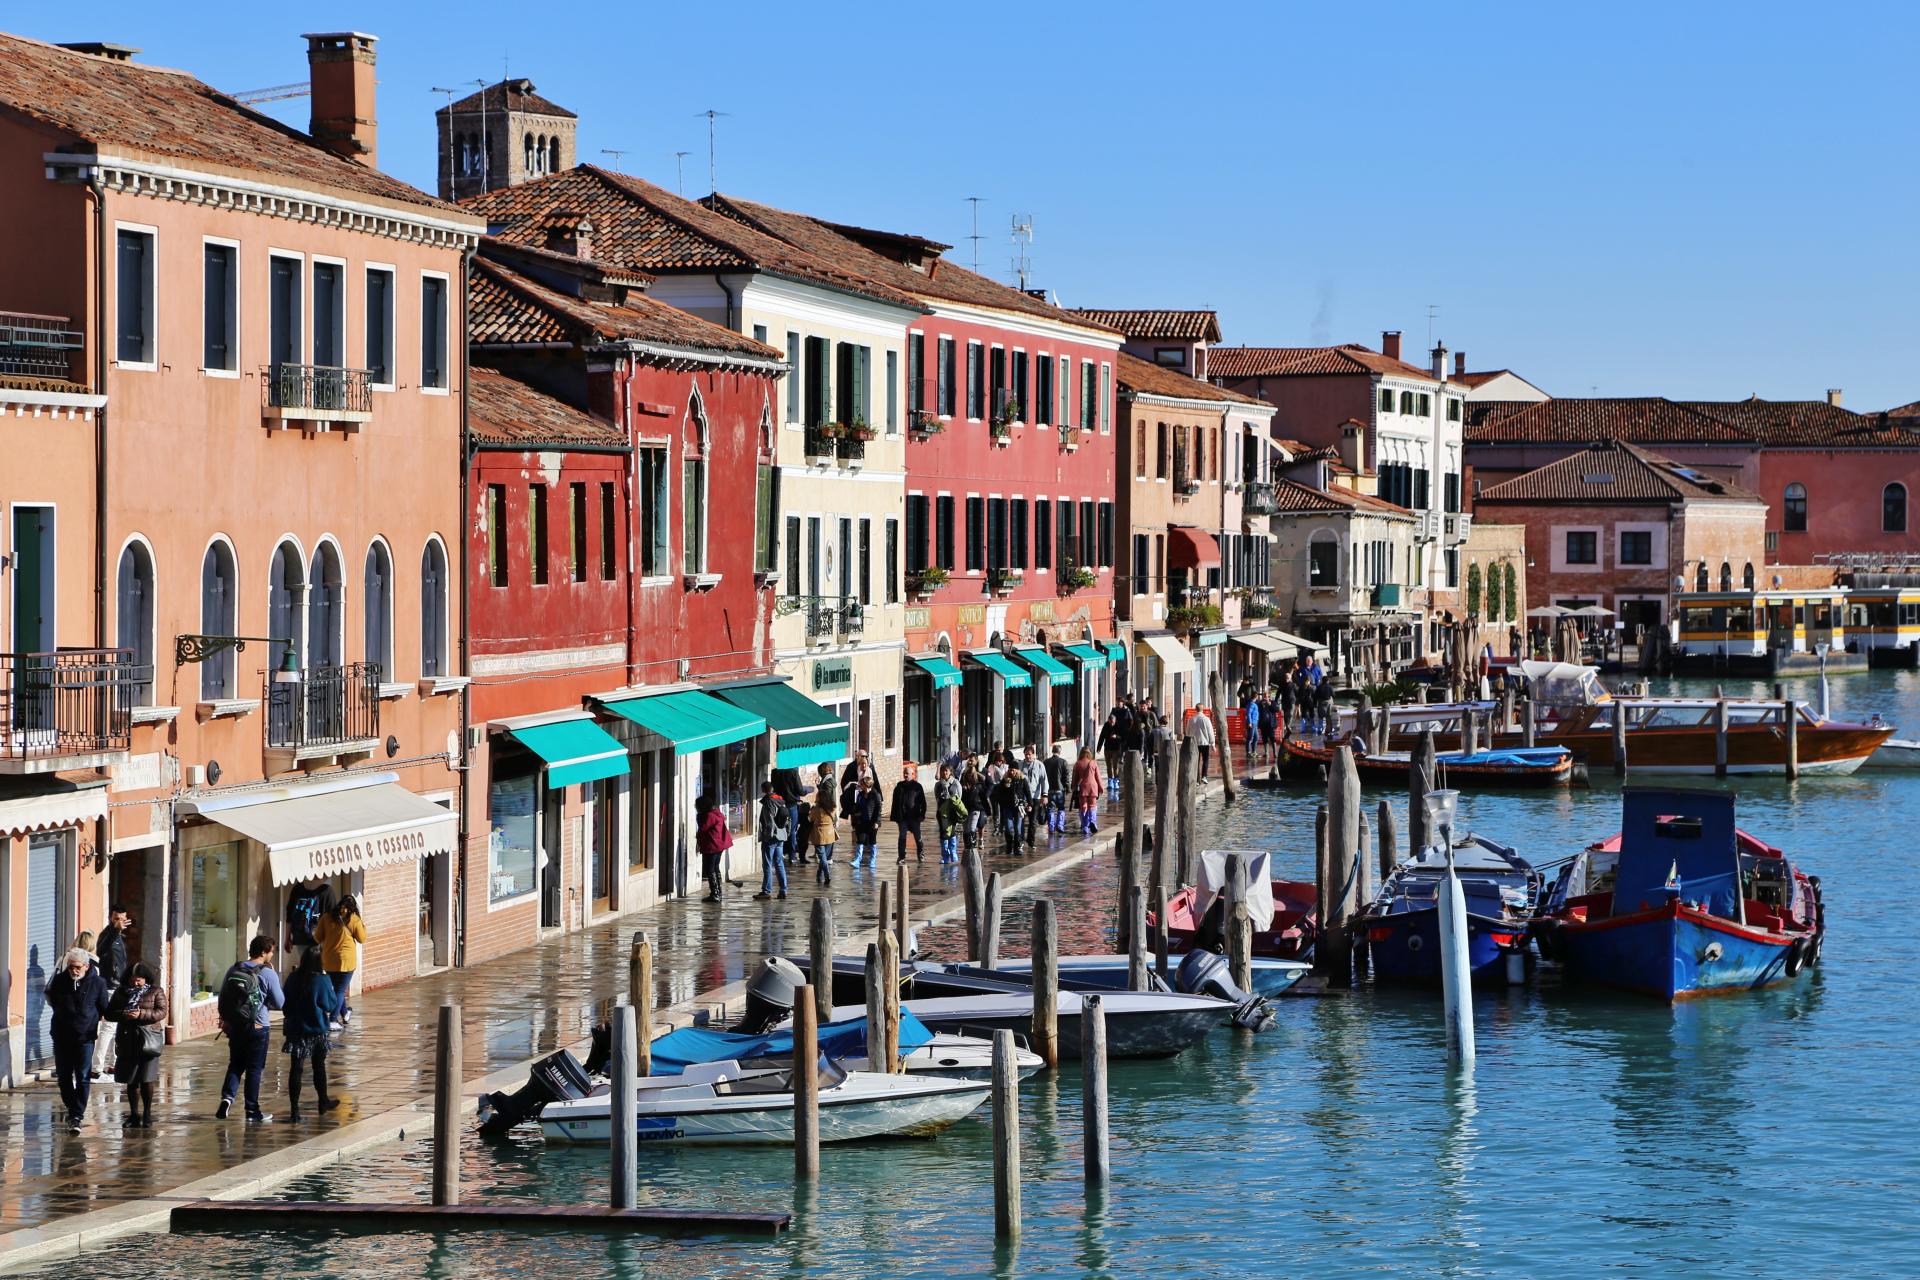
(1160, 1033)
(1307, 759)
(1271, 976)
(1676, 952)
(1295, 922)
(1834, 750)
(1405, 946)
(912, 1111)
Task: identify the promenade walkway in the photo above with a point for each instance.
(514, 1008)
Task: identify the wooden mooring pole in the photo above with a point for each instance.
(1420, 780)
(806, 1085)
(1720, 738)
(623, 1124)
(1093, 1088)
(1223, 741)
(1006, 1138)
(990, 925)
(1166, 813)
(902, 902)
(1189, 808)
(876, 1011)
(1790, 724)
(1343, 842)
(889, 1005)
(447, 1074)
(1137, 938)
(1619, 738)
(883, 914)
(1133, 814)
(1160, 933)
(640, 996)
(820, 942)
(1046, 983)
(1389, 852)
(975, 888)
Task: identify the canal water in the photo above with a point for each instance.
(1759, 1135)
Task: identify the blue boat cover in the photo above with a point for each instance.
(1512, 757)
(1684, 834)
(677, 1050)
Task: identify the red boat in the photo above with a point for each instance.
(1296, 908)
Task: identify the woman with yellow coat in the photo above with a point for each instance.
(340, 934)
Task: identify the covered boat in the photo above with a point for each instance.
(1402, 925)
(1515, 766)
(1288, 933)
(1682, 903)
(1271, 976)
(922, 1052)
(1140, 1024)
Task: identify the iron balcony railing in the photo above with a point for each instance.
(67, 702)
(325, 707)
(1259, 498)
(820, 444)
(822, 614)
(852, 448)
(325, 388)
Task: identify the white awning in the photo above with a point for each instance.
(1300, 645)
(1263, 642)
(311, 837)
(52, 810)
(1177, 657)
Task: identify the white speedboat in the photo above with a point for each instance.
(1271, 975)
(713, 1103)
(1895, 753)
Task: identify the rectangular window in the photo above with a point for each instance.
(845, 559)
(1089, 535)
(917, 532)
(814, 552)
(1017, 514)
(890, 722)
(819, 382)
(1453, 410)
(760, 333)
(497, 535)
(1160, 452)
(793, 376)
(220, 305)
(1582, 547)
(853, 370)
(1106, 399)
(537, 533)
(976, 534)
(1323, 563)
(945, 377)
(916, 372)
(577, 528)
(609, 533)
(693, 509)
(1066, 391)
(893, 393)
(1426, 405)
(133, 293)
(863, 581)
(283, 311)
(1020, 409)
(1042, 534)
(433, 331)
(766, 518)
(653, 512)
(379, 357)
(996, 533)
(1453, 567)
(997, 366)
(943, 531)
(1420, 488)
(1386, 400)
(1069, 557)
(976, 383)
(1636, 546)
(1089, 395)
(1106, 535)
(1452, 480)
(793, 557)
(891, 565)
(329, 315)
(1043, 400)
(1171, 357)
(1141, 584)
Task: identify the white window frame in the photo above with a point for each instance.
(1105, 392)
(302, 338)
(446, 301)
(233, 307)
(153, 298)
(665, 445)
(393, 316)
(966, 381)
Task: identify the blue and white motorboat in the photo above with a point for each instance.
(1402, 925)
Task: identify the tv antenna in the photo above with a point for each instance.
(680, 171)
(1433, 311)
(616, 153)
(975, 237)
(711, 116)
(482, 113)
(1022, 242)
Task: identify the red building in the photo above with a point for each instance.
(1010, 516)
(612, 555)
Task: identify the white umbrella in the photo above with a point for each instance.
(1547, 611)
(1593, 611)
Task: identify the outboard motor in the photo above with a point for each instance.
(558, 1077)
(1211, 933)
(770, 996)
(1204, 973)
(602, 1051)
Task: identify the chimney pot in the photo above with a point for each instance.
(1390, 344)
(1353, 445)
(571, 233)
(1459, 363)
(1438, 361)
(1833, 396)
(340, 65)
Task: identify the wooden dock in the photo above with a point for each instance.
(228, 1216)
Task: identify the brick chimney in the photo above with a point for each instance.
(1353, 445)
(1437, 361)
(340, 64)
(1390, 344)
(570, 232)
(1833, 396)
(1459, 364)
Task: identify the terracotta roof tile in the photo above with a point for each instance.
(517, 94)
(1180, 326)
(1146, 377)
(171, 117)
(1290, 362)
(1905, 410)
(1804, 422)
(1612, 472)
(507, 413)
(1293, 496)
(1637, 420)
(1479, 379)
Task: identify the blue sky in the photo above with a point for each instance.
(1692, 200)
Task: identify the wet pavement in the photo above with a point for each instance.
(514, 1008)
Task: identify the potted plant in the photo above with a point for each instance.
(1186, 618)
(922, 583)
(1002, 582)
(832, 430)
(925, 424)
(1001, 430)
(1069, 439)
(860, 429)
(1077, 577)
(1255, 610)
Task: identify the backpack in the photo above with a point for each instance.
(241, 997)
(776, 819)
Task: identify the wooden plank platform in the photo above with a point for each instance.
(231, 1215)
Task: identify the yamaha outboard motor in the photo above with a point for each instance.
(1204, 973)
(770, 996)
(558, 1077)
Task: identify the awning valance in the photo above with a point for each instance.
(1264, 642)
(1116, 650)
(945, 674)
(575, 750)
(43, 804)
(691, 720)
(1091, 656)
(1045, 663)
(1003, 666)
(1300, 645)
(1176, 657)
(329, 833)
(1189, 548)
(804, 731)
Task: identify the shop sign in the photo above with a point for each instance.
(1041, 611)
(833, 673)
(919, 617)
(973, 615)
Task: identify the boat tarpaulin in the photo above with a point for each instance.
(945, 674)
(678, 1050)
(805, 732)
(1003, 666)
(1176, 656)
(576, 750)
(691, 720)
(1213, 879)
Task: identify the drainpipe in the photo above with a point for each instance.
(103, 826)
(457, 951)
(733, 300)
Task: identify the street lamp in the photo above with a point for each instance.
(198, 648)
(1442, 805)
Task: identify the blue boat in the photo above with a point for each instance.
(1402, 926)
(1682, 904)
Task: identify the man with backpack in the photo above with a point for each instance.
(774, 830)
(248, 995)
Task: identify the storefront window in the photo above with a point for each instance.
(724, 774)
(215, 922)
(512, 802)
(1066, 710)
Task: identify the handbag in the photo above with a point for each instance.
(142, 1039)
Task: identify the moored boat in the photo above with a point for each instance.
(1516, 766)
(1288, 934)
(1402, 925)
(1271, 976)
(1140, 1024)
(922, 1052)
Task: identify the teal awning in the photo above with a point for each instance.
(575, 751)
(805, 732)
(692, 721)
(1116, 650)
(1045, 663)
(1003, 666)
(1090, 656)
(945, 674)
(1207, 639)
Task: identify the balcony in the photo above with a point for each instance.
(328, 713)
(1185, 486)
(1004, 582)
(822, 442)
(1259, 498)
(69, 709)
(822, 617)
(853, 446)
(319, 393)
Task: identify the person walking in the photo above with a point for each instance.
(249, 994)
(1323, 712)
(774, 838)
(976, 793)
(788, 785)
(1202, 728)
(1112, 746)
(1058, 771)
(1087, 788)
(77, 999)
(139, 1014)
(312, 1005)
(340, 934)
(949, 813)
(822, 830)
(863, 812)
(1011, 796)
(908, 811)
(711, 839)
(111, 954)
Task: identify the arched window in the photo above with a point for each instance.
(323, 608)
(528, 153)
(219, 613)
(1893, 508)
(1746, 576)
(1701, 581)
(1726, 576)
(433, 609)
(379, 610)
(136, 622)
(693, 484)
(553, 155)
(286, 589)
(1795, 513)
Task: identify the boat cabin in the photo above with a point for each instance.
(1756, 623)
(1885, 621)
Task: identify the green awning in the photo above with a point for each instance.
(1045, 663)
(575, 751)
(805, 732)
(1116, 650)
(692, 721)
(1090, 656)
(945, 674)
(1003, 666)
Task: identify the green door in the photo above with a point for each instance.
(32, 575)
